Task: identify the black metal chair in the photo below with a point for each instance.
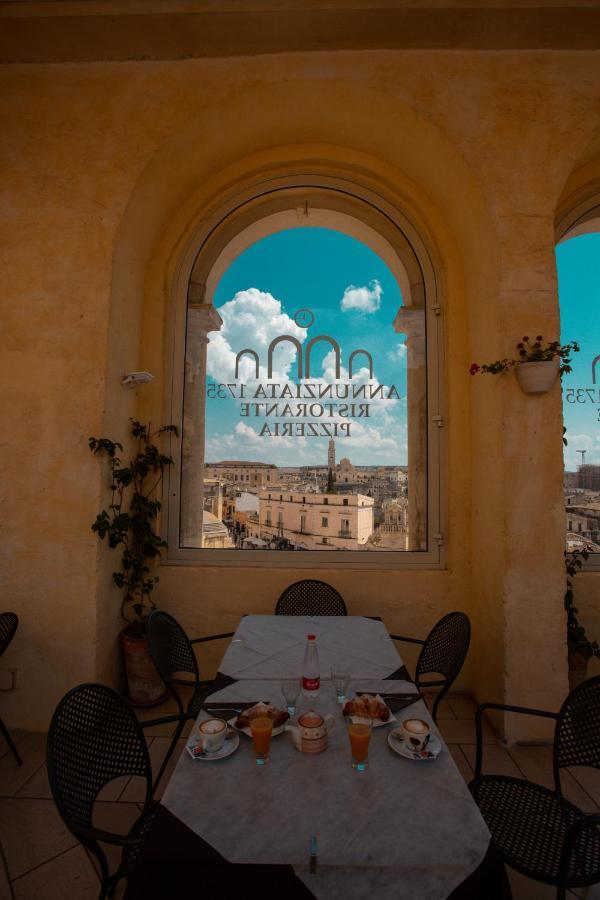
(8, 626)
(444, 652)
(310, 598)
(173, 654)
(95, 737)
(537, 831)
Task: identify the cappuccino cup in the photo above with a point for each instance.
(415, 733)
(212, 734)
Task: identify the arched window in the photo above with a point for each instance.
(578, 266)
(311, 363)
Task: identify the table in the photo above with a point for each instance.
(403, 830)
(272, 647)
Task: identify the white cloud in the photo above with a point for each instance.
(366, 299)
(588, 442)
(398, 354)
(251, 320)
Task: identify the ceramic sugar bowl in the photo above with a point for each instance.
(310, 735)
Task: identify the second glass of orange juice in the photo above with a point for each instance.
(261, 729)
(359, 732)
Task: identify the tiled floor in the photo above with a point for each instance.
(40, 859)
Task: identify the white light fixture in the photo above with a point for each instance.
(134, 379)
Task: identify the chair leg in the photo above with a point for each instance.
(168, 755)
(10, 743)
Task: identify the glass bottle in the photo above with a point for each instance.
(311, 680)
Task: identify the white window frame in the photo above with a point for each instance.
(434, 556)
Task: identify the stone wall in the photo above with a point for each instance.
(105, 169)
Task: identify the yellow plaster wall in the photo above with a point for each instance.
(105, 169)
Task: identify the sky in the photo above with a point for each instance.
(578, 265)
(353, 297)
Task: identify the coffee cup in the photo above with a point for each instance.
(415, 733)
(212, 735)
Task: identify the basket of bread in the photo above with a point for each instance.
(368, 706)
(263, 710)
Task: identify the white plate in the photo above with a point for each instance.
(279, 730)
(431, 751)
(376, 722)
(229, 747)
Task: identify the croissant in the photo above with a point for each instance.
(368, 707)
(278, 716)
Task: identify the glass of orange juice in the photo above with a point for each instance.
(261, 729)
(359, 732)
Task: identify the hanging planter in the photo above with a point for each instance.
(537, 366)
(537, 377)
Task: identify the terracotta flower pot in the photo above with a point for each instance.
(537, 377)
(145, 685)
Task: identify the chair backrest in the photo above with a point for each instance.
(310, 598)
(94, 737)
(170, 648)
(8, 626)
(446, 647)
(577, 732)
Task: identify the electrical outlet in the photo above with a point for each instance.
(8, 679)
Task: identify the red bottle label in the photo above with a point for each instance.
(311, 684)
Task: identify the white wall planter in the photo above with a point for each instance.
(537, 377)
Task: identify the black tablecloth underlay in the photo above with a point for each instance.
(176, 864)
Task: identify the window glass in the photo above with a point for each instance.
(578, 264)
(316, 385)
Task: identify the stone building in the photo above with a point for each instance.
(315, 521)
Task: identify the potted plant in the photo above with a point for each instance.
(129, 526)
(580, 648)
(536, 366)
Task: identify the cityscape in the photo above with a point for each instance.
(252, 505)
(582, 508)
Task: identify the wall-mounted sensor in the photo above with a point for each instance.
(133, 379)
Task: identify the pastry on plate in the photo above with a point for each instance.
(279, 716)
(368, 707)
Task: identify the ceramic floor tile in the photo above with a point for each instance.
(461, 762)
(32, 748)
(462, 731)
(38, 785)
(496, 760)
(444, 711)
(68, 876)
(118, 818)
(17, 734)
(5, 891)
(31, 832)
(463, 706)
(589, 779)
(536, 765)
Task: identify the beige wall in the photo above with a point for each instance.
(106, 169)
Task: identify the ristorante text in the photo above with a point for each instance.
(318, 406)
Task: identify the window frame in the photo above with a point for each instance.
(396, 221)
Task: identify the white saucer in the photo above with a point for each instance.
(226, 750)
(431, 751)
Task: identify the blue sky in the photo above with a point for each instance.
(354, 298)
(578, 265)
